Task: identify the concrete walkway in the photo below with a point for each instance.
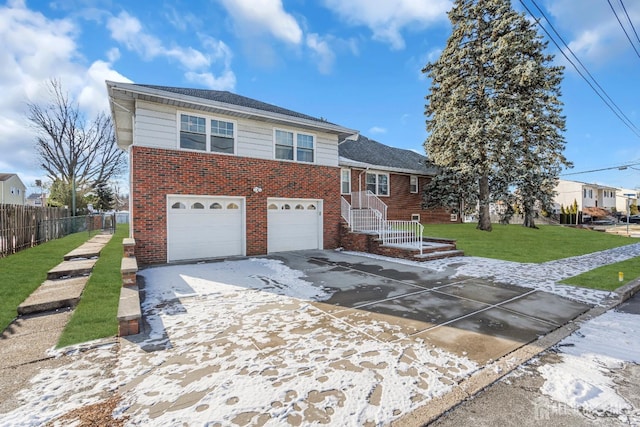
(42, 318)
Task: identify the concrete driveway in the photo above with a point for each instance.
(317, 337)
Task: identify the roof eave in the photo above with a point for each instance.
(341, 131)
(344, 161)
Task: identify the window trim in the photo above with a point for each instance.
(378, 173)
(342, 170)
(207, 127)
(295, 145)
(417, 185)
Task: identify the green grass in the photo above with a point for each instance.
(606, 277)
(21, 273)
(95, 315)
(521, 244)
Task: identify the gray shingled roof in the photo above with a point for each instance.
(373, 153)
(6, 176)
(233, 99)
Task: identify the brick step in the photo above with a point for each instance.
(53, 295)
(75, 268)
(430, 256)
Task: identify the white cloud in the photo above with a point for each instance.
(226, 81)
(322, 52)
(34, 50)
(128, 30)
(256, 17)
(377, 130)
(387, 19)
(592, 30)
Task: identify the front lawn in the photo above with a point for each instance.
(21, 273)
(96, 314)
(606, 277)
(520, 244)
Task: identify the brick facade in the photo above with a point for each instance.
(158, 172)
(401, 203)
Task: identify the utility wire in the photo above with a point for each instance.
(630, 23)
(621, 167)
(593, 83)
(623, 28)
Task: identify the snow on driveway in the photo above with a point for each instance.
(242, 344)
(583, 378)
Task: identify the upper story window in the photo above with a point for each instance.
(294, 146)
(413, 184)
(345, 181)
(206, 134)
(378, 183)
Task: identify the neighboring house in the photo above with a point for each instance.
(585, 194)
(624, 198)
(36, 199)
(395, 175)
(217, 174)
(12, 189)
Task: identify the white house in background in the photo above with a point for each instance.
(587, 195)
(622, 196)
(12, 190)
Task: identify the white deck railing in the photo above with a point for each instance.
(367, 221)
(345, 210)
(368, 200)
(403, 233)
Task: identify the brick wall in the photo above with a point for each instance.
(158, 172)
(400, 202)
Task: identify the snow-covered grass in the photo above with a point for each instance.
(583, 378)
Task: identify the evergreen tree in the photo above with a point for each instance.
(493, 113)
(104, 195)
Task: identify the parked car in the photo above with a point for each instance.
(633, 219)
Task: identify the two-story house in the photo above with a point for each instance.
(12, 189)
(215, 174)
(585, 194)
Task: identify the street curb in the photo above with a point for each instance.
(491, 373)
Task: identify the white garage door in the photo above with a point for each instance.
(294, 224)
(204, 227)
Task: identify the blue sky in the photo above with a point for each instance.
(354, 62)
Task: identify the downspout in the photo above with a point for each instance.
(360, 187)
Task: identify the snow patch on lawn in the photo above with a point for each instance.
(583, 378)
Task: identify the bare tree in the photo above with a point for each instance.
(70, 148)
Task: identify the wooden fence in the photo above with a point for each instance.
(22, 227)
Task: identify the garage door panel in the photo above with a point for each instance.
(215, 230)
(293, 224)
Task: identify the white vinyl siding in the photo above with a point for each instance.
(157, 126)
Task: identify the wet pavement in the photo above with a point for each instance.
(471, 317)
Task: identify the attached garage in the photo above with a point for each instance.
(294, 224)
(200, 227)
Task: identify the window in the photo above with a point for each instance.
(284, 145)
(232, 206)
(178, 205)
(378, 183)
(345, 181)
(218, 137)
(294, 146)
(215, 205)
(193, 134)
(305, 148)
(197, 205)
(221, 137)
(590, 194)
(413, 184)
(415, 217)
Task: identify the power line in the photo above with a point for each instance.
(621, 167)
(629, 19)
(593, 83)
(623, 28)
